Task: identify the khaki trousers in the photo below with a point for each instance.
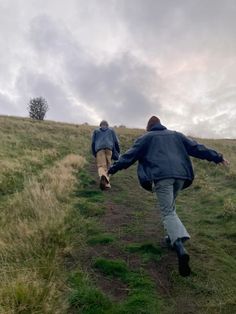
(103, 158)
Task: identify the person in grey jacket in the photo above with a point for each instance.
(164, 166)
(105, 147)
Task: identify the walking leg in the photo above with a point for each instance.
(166, 191)
(108, 164)
(102, 168)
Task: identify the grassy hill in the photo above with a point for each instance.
(67, 247)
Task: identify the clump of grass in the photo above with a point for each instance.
(117, 268)
(11, 182)
(89, 209)
(94, 195)
(90, 198)
(140, 303)
(101, 239)
(31, 234)
(228, 210)
(147, 250)
(142, 296)
(231, 175)
(85, 297)
(144, 248)
(28, 292)
(85, 180)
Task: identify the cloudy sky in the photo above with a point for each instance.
(122, 60)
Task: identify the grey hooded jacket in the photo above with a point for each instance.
(105, 139)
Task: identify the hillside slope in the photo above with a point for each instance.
(67, 247)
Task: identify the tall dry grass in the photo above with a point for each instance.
(31, 236)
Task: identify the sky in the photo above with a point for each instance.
(123, 61)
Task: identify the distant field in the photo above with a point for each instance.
(66, 247)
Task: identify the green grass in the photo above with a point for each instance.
(28, 147)
(89, 196)
(48, 226)
(148, 251)
(142, 297)
(112, 268)
(36, 205)
(101, 239)
(89, 208)
(85, 298)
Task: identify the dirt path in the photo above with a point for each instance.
(125, 257)
(130, 216)
(131, 234)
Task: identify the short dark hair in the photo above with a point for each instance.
(151, 122)
(104, 122)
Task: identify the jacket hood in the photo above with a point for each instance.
(158, 127)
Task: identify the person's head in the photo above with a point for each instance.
(151, 122)
(104, 124)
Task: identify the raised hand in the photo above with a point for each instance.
(225, 162)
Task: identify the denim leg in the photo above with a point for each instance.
(166, 191)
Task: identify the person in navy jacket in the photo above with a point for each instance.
(164, 166)
(105, 147)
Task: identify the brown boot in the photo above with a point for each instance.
(103, 183)
(108, 186)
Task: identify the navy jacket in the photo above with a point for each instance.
(105, 138)
(163, 154)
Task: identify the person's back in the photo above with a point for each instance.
(164, 167)
(105, 147)
(163, 154)
(104, 138)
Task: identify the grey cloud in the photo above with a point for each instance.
(48, 36)
(33, 84)
(180, 27)
(121, 89)
(221, 126)
(116, 89)
(173, 32)
(7, 106)
(123, 61)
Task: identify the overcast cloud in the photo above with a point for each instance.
(122, 60)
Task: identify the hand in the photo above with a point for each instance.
(225, 162)
(111, 170)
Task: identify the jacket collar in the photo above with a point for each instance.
(158, 127)
(103, 130)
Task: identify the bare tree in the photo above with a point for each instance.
(37, 108)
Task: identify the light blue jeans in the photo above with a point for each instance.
(166, 191)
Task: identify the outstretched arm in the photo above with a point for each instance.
(129, 157)
(200, 151)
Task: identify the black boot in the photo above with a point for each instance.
(167, 240)
(183, 258)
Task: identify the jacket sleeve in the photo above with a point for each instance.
(93, 143)
(200, 151)
(116, 142)
(129, 157)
